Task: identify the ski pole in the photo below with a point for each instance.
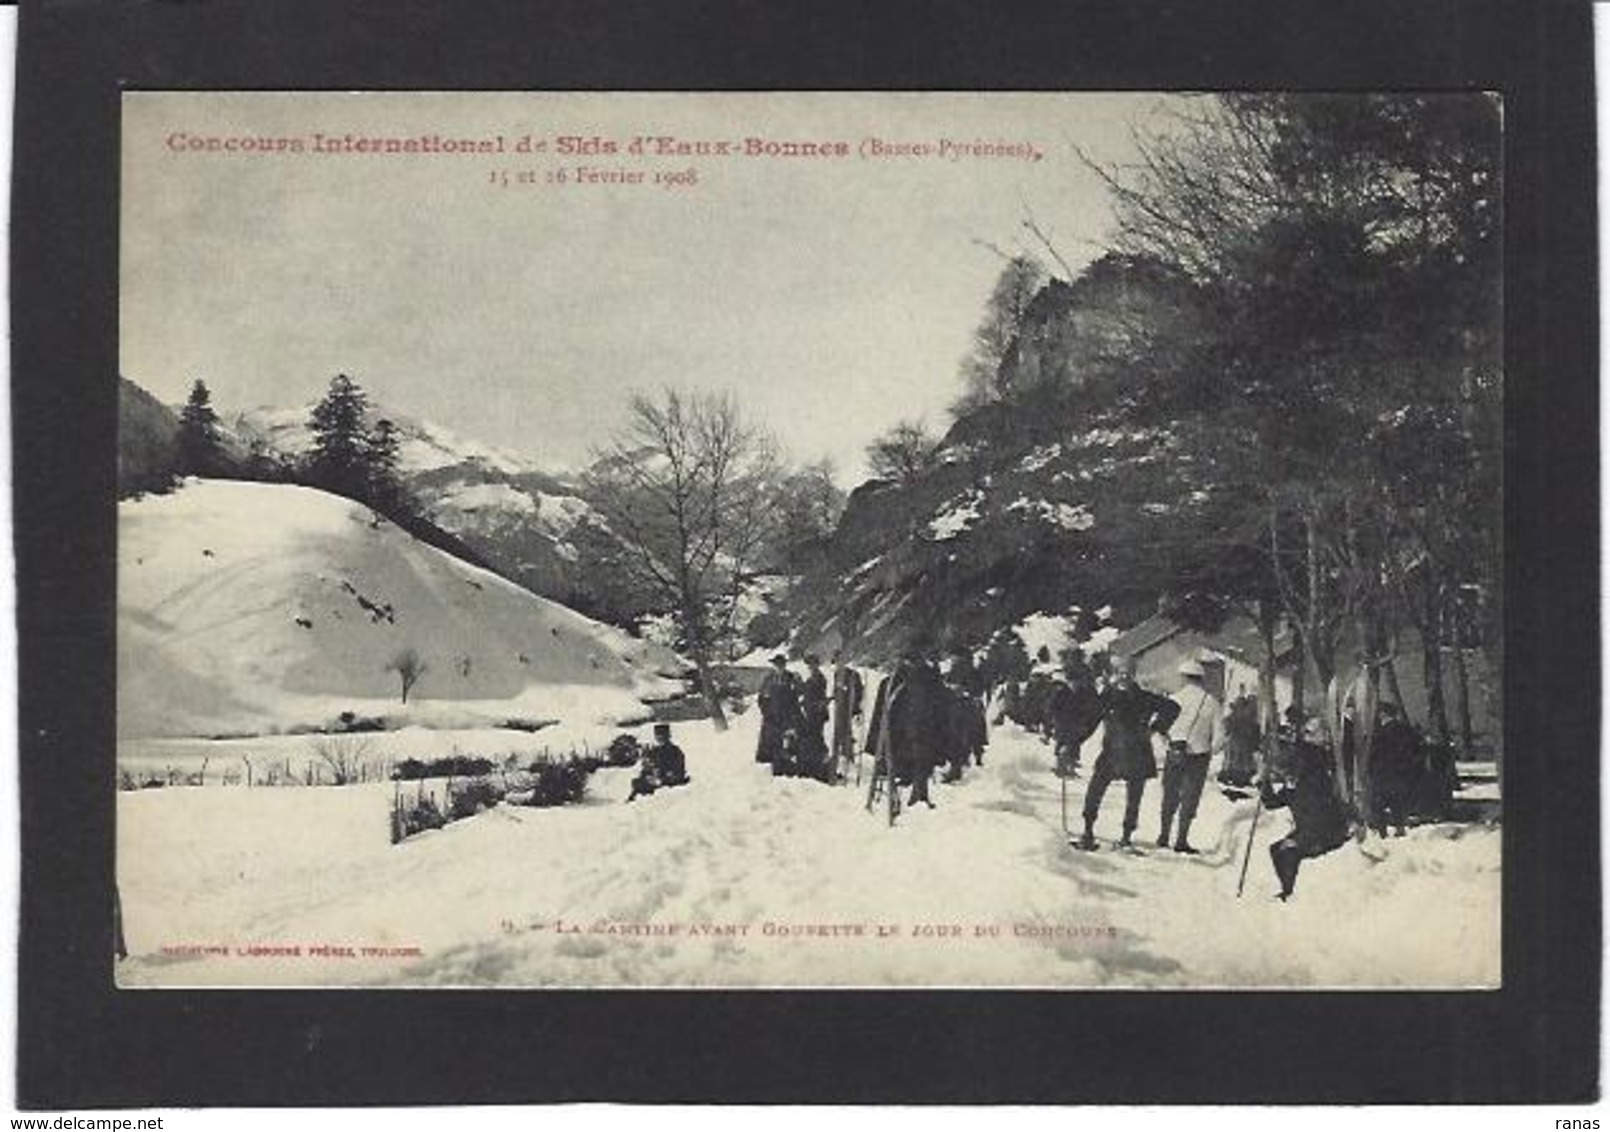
(1251, 830)
(1065, 832)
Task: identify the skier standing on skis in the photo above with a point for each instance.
(1131, 715)
(1195, 736)
(849, 691)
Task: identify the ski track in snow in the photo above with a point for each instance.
(482, 897)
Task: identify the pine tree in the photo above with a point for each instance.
(384, 490)
(340, 457)
(199, 448)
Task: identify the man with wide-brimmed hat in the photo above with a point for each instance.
(1193, 738)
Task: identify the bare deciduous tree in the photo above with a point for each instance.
(344, 756)
(903, 453)
(409, 668)
(685, 484)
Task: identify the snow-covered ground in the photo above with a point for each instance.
(741, 880)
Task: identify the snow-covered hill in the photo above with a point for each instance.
(247, 608)
(523, 520)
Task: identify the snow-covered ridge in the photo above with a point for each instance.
(422, 445)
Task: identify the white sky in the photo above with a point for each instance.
(836, 296)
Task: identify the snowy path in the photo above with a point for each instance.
(744, 880)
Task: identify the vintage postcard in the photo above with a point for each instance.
(852, 540)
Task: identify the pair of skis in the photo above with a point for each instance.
(882, 779)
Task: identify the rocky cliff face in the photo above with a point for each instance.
(1072, 491)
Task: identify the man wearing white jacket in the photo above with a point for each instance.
(1197, 733)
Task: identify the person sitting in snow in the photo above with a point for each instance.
(663, 764)
(1319, 823)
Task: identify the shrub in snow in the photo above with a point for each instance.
(451, 766)
(127, 780)
(470, 796)
(556, 782)
(415, 815)
(352, 721)
(527, 725)
(343, 757)
(623, 750)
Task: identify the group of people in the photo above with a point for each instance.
(921, 720)
(926, 719)
(1195, 728)
(794, 714)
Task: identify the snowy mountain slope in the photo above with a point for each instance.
(422, 445)
(740, 879)
(246, 607)
(526, 522)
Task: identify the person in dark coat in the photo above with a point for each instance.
(965, 729)
(908, 720)
(1319, 822)
(813, 707)
(1075, 710)
(663, 764)
(1395, 769)
(779, 713)
(849, 692)
(1242, 736)
(964, 673)
(1131, 714)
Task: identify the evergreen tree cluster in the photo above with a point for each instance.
(351, 458)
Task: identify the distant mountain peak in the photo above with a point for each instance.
(424, 446)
